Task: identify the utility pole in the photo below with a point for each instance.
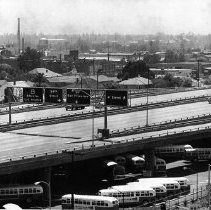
(147, 116)
(19, 37)
(72, 194)
(198, 60)
(108, 52)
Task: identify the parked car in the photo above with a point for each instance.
(74, 107)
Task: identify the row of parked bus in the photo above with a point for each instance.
(23, 194)
(186, 152)
(136, 164)
(144, 192)
(173, 151)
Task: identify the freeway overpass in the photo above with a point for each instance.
(50, 145)
(56, 153)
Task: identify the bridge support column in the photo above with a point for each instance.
(150, 160)
(46, 182)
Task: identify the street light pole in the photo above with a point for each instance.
(198, 71)
(49, 190)
(147, 116)
(93, 121)
(197, 181)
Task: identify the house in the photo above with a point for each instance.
(46, 73)
(135, 83)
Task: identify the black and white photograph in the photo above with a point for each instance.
(105, 104)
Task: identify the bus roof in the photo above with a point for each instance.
(110, 163)
(137, 158)
(179, 178)
(89, 197)
(159, 180)
(151, 184)
(126, 188)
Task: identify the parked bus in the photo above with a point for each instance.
(184, 184)
(173, 151)
(120, 160)
(172, 186)
(160, 189)
(160, 166)
(134, 162)
(198, 154)
(93, 202)
(24, 194)
(112, 170)
(130, 195)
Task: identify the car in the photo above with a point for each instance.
(74, 107)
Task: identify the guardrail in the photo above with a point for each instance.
(193, 120)
(163, 91)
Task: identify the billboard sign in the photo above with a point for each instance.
(33, 95)
(116, 98)
(53, 95)
(78, 96)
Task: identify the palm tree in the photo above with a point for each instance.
(39, 79)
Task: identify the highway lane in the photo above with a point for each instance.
(83, 128)
(55, 112)
(172, 96)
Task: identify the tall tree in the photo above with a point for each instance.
(39, 79)
(171, 56)
(151, 58)
(135, 69)
(30, 59)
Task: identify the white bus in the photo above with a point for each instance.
(134, 162)
(93, 202)
(130, 195)
(173, 151)
(22, 194)
(160, 189)
(184, 184)
(198, 154)
(172, 186)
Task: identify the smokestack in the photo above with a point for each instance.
(19, 37)
(23, 47)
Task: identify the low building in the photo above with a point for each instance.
(135, 83)
(46, 73)
(172, 71)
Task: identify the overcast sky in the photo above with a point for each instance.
(106, 16)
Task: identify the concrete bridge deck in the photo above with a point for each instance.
(52, 145)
